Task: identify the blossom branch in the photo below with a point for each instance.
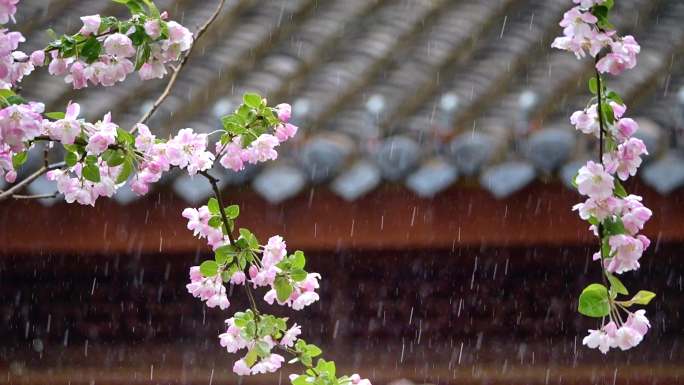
(10, 193)
(217, 193)
(177, 69)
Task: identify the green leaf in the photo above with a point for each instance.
(616, 286)
(56, 115)
(614, 96)
(125, 136)
(252, 100)
(153, 10)
(91, 49)
(114, 157)
(213, 206)
(209, 268)
(593, 301)
(19, 158)
(593, 85)
(224, 254)
(614, 226)
(6, 93)
(91, 172)
(251, 357)
(283, 288)
(327, 367)
(313, 350)
(233, 211)
(609, 4)
(619, 189)
(142, 54)
(215, 221)
(298, 275)
(642, 297)
(71, 158)
(126, 170)
(301, 380)
(298, 260)
(16, 99)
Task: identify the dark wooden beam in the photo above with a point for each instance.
(389, 217)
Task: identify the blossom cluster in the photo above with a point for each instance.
(586, 29)
(19, 123)
(106, 51)
(187, 150)
(259, 345)
(234, 154)
(616, 217)
(625, 337)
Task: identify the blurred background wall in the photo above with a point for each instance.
(429, 184)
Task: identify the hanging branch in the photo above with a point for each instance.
(10, 193)
(177, 69)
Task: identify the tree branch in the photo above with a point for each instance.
(217, 193)
(17, 187)
(37, 196)
(177, 69)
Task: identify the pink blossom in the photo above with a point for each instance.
(7, 10)
(357, 380)
(20, 123)
(627, 338)
(603, 339)
(66, 130)
(101, 135)
(198, 223)
(285, 131)
(625, 128)
(77, 76)
(208, 289)
(269, 364)
(599, 209)
(626, 159)
(625, 251)
(180, 36)
(232, 339)
(153, 28)
(77, 189)
(265, 277)
(238, 278)
(290, 336)
(274, 251)
(188, 150)
(38, 58)
(586, 120)
(284, 112)
(58, 66)
(592, 180)
(305, 299)
(232, 154)
(262, 148)
(635, 214)
(91, 25)
(6, 166)
(119, 45)
(638, 322)
(151, 70)
(240, 368)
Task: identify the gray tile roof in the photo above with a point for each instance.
(423, 93)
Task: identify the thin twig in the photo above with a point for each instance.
(10, 192)
(217, 193)
(177, 69)
(38, 196)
